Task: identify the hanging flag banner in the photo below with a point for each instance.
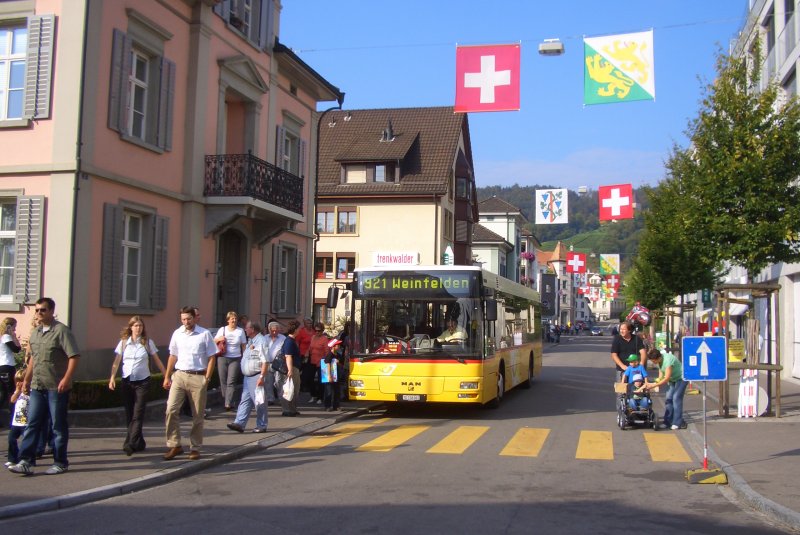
(612, 281)
(616, 202)
(487, 78)
(609, 264)
(618, 68)
(576, 262)
(551, 206)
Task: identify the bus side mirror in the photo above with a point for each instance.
(491, 310)
(333, 297)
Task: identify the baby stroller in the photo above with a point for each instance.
(635, 409)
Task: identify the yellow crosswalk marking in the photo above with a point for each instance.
(392, 439)
(666, 448)
(459, 440)
(527, 442)
(316, 442)
(595, 445)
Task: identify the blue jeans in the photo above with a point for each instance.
(42, 404)
(248, 402)
(13, 448)
(673, 402)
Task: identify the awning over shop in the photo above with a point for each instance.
(737, 309)
(703, 314)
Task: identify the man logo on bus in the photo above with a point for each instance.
(410, 384)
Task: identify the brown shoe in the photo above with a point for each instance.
(173, 452)
(194, 455)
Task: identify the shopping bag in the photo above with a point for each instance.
(288, 389)
(259, 400)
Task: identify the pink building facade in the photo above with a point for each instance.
(155, 154)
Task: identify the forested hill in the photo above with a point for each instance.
(619, 237)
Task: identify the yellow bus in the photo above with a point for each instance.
(454, 334)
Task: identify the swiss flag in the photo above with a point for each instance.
(487, 78)
(616, 202)
(612, 281)
(576, 262)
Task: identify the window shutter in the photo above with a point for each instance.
(160, 242)
(166, 99)
(118, 86)
(301, 164)
(111, 261)
(276, 278)
(299, 284)
(279, 139)
(269, 15)
(39, 67)
(462, 236)
(28, 248)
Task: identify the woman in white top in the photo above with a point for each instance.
(9, 346)
(228, 363)
(134, 350)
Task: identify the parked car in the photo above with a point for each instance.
(596, 331)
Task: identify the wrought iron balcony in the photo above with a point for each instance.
(244, 175)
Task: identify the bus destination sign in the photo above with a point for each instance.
(418, 284)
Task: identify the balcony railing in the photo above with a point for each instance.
(244, 175)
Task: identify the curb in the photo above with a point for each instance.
(168, 475)
(741, 490)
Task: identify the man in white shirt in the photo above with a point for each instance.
(254, 369)
(189, 369)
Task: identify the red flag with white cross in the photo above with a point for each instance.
(616, 202)
(487, 78)
(612, 281)
(576, 262)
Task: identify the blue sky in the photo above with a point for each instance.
(389, 54)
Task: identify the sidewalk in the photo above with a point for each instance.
(99, 469)
(761, 456)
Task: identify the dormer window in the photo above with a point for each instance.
(371, 172)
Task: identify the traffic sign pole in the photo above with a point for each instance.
(705, 358)
(705, 432)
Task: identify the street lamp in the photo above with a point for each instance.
(332, 124)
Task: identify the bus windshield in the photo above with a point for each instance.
(418, 327)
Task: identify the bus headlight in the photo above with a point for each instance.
(356, 383)
(469, 385)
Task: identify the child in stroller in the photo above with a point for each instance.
(635, 405)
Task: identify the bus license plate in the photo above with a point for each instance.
(411, 397)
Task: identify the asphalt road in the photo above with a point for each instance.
(549, 460)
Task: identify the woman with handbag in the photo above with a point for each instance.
(288, 371)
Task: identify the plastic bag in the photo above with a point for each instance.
(288, 389)
(260, 398)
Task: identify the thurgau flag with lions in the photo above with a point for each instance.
(618, 68)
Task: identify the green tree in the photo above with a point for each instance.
(673, 257)
(739, 180)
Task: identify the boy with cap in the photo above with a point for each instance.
(635, 375)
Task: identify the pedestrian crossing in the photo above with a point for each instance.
(592, 445)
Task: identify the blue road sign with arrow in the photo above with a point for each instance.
(705, 358)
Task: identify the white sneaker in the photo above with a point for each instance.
(22, 467)
(56, 469)
(7, 464)
(662, 426)
(319, 402)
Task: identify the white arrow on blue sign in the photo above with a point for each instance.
(705, 358)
